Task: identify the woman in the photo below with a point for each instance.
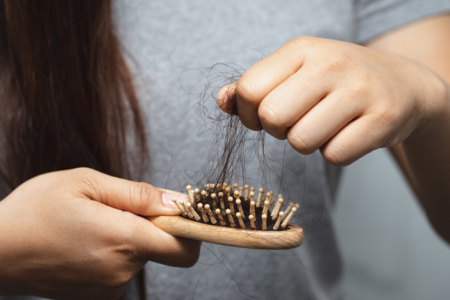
(67, 93)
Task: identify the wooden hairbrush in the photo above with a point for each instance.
(231, 216)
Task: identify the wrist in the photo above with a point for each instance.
(435, 99)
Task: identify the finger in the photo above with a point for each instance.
(156, 245)
(323, 121)
(138, 238)
(263, 77)
(354, 141)
(136, 197)
(289, 101)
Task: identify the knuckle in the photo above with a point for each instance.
(120, 281)
(336, 155)
(82, 172)
(116, 280)
(141, 193)
(123, 242)
(337, 60)
(303, 41)
(115, 286)
(85, 179)
(270, 118)
(189, 262)
(186, 256)
(384, 115)
(360, 84)
(301, 141)
(191, 258)
(247, 90)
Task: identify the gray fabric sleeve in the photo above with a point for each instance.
(375, 17)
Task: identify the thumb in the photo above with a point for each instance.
(226, 99)
(136, 197)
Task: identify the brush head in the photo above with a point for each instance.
(223, 215)
(216, 197)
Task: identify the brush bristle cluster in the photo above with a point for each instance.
(236, 207)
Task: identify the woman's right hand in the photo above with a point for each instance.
(76, 234)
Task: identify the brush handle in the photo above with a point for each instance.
(244, 238)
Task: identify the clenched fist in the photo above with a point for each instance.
(344, 99)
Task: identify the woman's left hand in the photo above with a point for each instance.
(344, 99)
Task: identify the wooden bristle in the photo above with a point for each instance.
(184, 204)
(241, 222)
(280, 218)
(271, 202)
(214, 201)
(246, 192)
(288, 218)
(203, 213)
(197, 194)
(259, 201)
(222, 203)
(241, 211)
(266, 207)
(252, 196)
(228, 191)
(230, 205)
(211, 216)
(236, 207)
(252, 208)
(264, 222)
(193, 212)
(289, 208)
(203, 195)
(252, 221)
(230, 218)
(269, 198)
(236, 194)
(219, 215)
(190, 193)
(277, 208)
(235, 187)
(180, 207)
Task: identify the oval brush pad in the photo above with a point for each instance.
(231, 216)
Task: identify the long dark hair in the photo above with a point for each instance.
(67, 98)
(66, 93)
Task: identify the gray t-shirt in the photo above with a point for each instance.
(172, 42)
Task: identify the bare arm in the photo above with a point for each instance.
(425, 157)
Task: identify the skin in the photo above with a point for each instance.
(76, 235)
(348, 100)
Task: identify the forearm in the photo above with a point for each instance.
(428, 155)
(425, 156)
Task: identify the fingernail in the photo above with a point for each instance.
(167, 198)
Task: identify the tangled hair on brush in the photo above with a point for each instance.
(229, 148)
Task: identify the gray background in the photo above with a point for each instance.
(389, 249)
